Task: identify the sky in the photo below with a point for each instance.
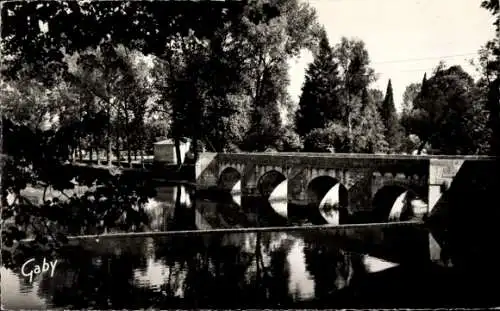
(404, 38)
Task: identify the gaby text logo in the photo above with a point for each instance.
(30, 268)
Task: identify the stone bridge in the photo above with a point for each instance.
(366, 183)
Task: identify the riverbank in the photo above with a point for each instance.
(153, 170)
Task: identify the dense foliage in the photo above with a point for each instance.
(450, 114)
(337, 110)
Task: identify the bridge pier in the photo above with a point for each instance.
(441, 174)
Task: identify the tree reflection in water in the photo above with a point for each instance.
(196, 271)
(332, 268)
(99, 277)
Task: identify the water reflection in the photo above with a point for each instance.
(295, 269)
(278, 199)
(301, 282)
(180, 207)
(259, 269)
(171, 209)
(333, 204)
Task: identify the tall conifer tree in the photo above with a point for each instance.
(390, 119)
(319, 102)
(423, 88)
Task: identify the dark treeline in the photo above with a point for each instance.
(117, 76)
(448, 113)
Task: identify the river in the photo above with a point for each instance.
(301, 265)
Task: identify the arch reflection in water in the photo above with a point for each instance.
(374, 264)
(230, 180)
(236, 188)
(396, 203)
(398, 206)
(236, 193)
(406, 206)
(329, 197)
(332, 203)
(200, 220)
(279, 199)
(224, 214)
(273, 186)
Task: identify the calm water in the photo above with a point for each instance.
(377, 266)
(180, 208)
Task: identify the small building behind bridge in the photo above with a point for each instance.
(164, 151)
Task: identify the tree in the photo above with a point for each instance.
(410, 94)
(115, 81)
(424, 81)
(356, 76)
(447, 115)
(271, 32)
(143, 25)
(494, 7)
(319, 102)
(266, 125)
(184, 90)
(378, 98)
(332, 138)
(368, 127)
(367, 131)
(390, 119)
(409, 142)
(27, 101)
(355, 124)
(491, 65)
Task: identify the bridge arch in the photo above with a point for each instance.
(330, 196)
(230, 179)
(318, 187)
(269, 181)
(394, 202)
(273, 186)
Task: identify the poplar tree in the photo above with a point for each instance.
(390, 119)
